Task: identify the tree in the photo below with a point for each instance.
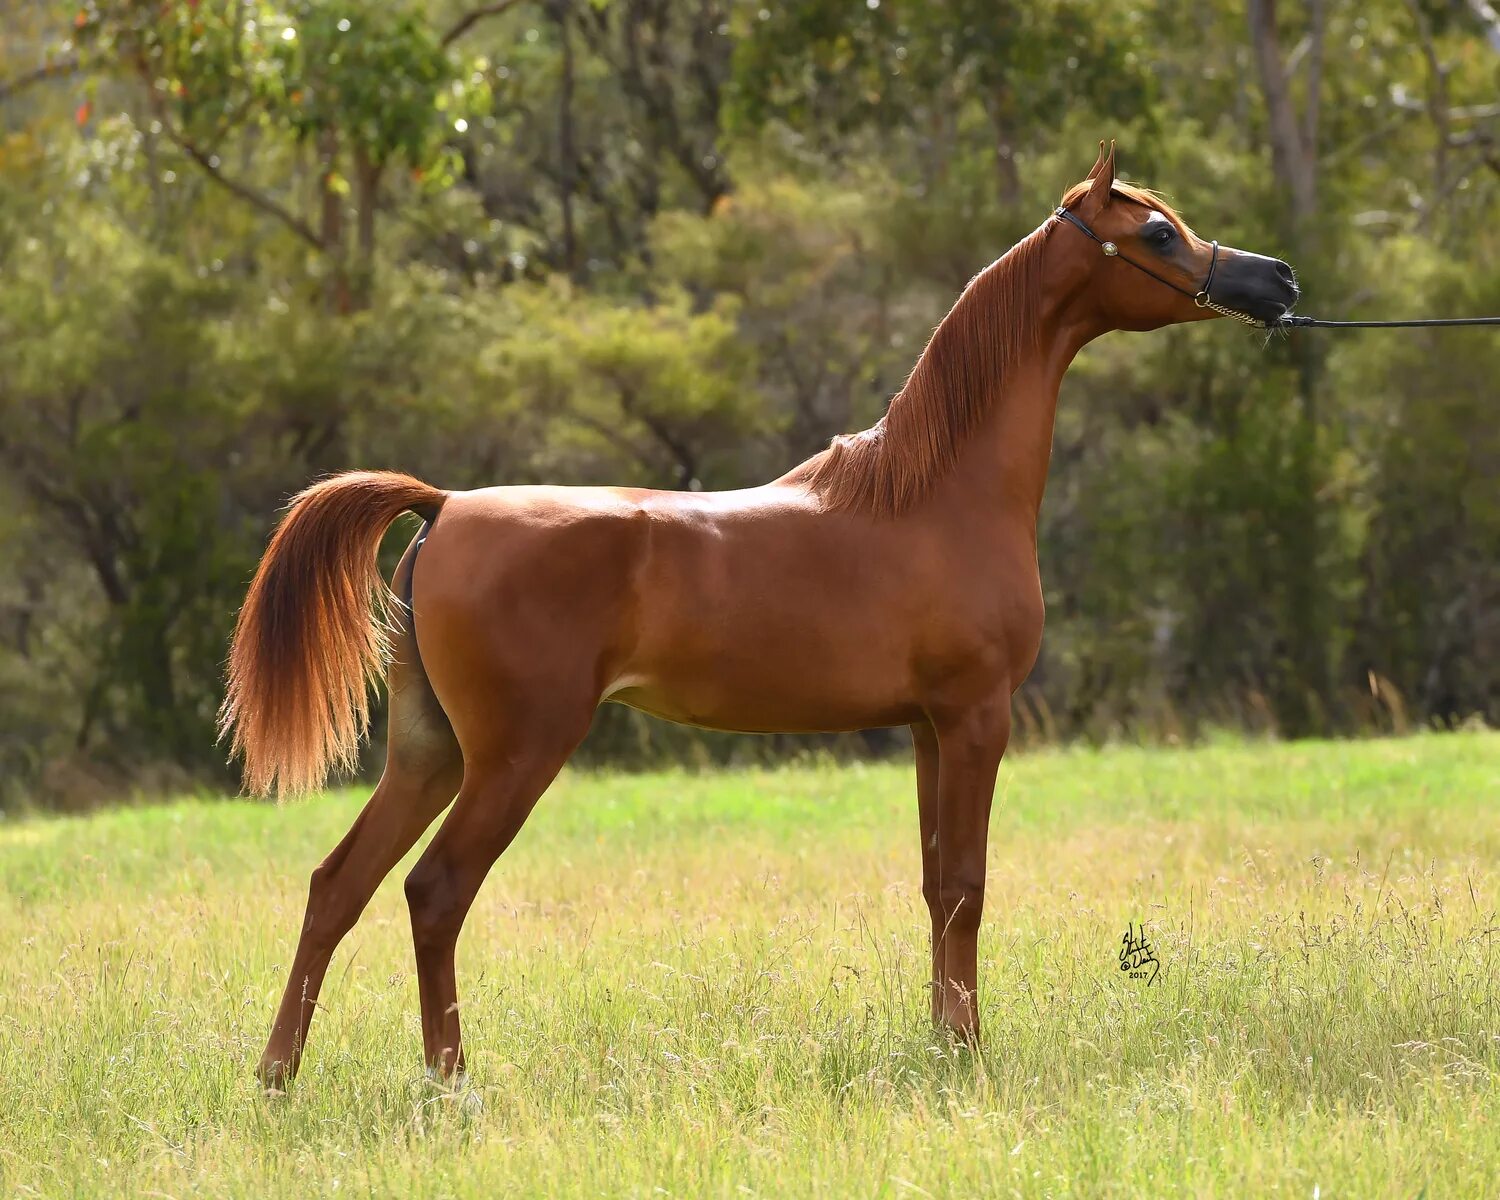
(362, 87)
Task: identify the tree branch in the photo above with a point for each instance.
(1437, 105)
(57, 69)
(615, 438)
(1490, 18)
(473, 17)
(252, 196)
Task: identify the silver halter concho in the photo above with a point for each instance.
(1201, 298)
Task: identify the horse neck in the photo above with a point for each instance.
(973, 425)
(1002, 470)
(1008, 459)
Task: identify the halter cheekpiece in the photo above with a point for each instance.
(1201, 298)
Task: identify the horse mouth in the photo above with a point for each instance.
(1268, 313)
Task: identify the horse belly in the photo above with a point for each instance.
(780, 668)
(788, 711)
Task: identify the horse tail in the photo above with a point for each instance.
(313, 634)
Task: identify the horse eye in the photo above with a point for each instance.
(1163, 235)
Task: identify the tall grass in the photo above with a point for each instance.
(714, 985)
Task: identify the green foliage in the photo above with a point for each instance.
(832, 66)
(662, 384)
(244, 243)
(375, 71)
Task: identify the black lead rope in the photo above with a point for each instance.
(1297, 321)
(1287, 321)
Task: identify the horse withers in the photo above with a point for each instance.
(890, 579)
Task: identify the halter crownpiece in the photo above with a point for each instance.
(1201, 297)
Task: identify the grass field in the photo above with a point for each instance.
(714, 986)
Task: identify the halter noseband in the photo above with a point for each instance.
(1201, 298)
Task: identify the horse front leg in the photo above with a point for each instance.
(970, 745)
(925, 745)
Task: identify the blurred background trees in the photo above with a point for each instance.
(681, 243)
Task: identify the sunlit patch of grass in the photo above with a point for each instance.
(715, 985)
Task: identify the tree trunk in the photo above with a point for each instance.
(367, 173)
(1306, 676)
(1007, 174)
(331, 225)
(567, 154)
(1294, 160)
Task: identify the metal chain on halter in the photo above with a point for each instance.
(1286, 321)
(1202, 301)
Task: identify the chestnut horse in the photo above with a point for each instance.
(891, 579)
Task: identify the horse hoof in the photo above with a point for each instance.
(457, 1088)
(958, 1036)
(454, 1081)
(273, 1075)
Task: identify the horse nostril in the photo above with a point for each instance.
(1286, 272)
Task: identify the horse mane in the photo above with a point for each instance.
(885, 469)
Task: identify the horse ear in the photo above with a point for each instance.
(1101, 180)
(1099, 163)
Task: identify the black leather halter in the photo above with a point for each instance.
(1201, 298)
(1286, 321)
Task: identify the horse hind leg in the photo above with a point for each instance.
(501, 786)
(423, 769)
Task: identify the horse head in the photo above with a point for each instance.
(1143, 268)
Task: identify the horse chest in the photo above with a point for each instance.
(986, 631)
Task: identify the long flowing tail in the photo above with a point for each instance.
(312, 636)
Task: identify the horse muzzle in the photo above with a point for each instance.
(1261, 287)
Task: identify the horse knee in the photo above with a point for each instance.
(437, 910)
(932, 894)
(963, 904)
